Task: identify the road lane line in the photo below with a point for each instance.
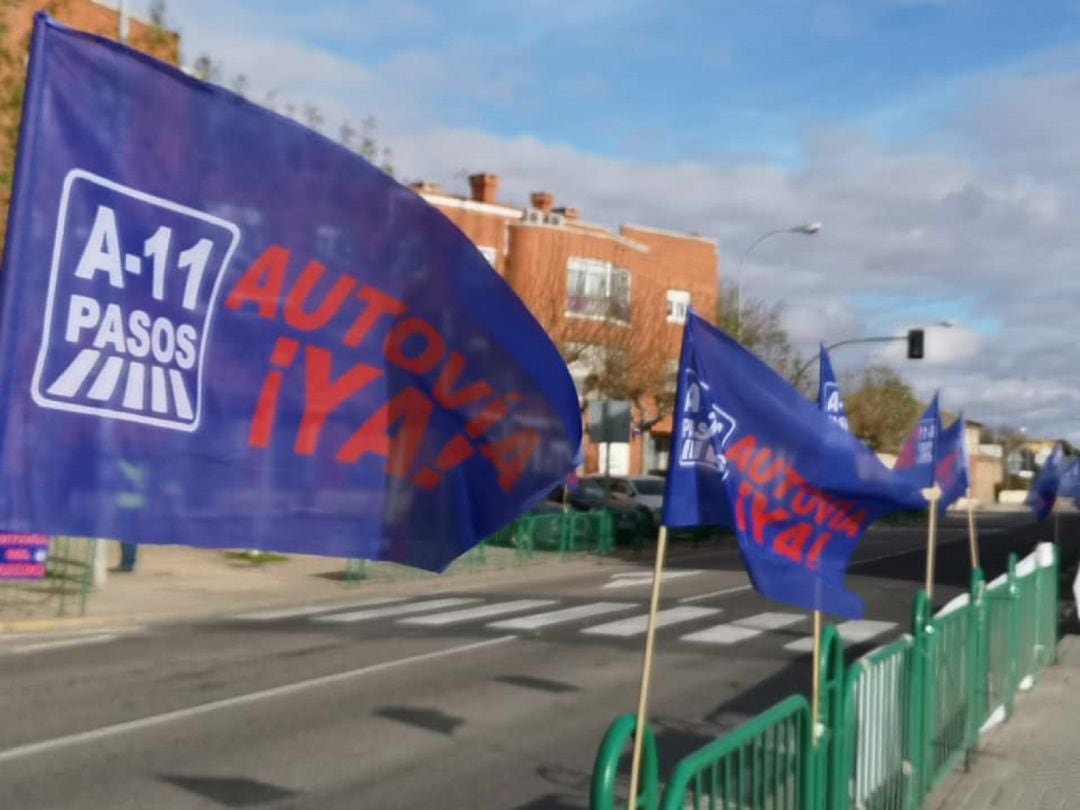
(711, 594)
(573, 614)
(481, 612)
(56, 645)
(239, 700)
(311, 610)
(636, 625)
(394, 610)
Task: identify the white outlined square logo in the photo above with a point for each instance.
(705, 429)
(132, 290)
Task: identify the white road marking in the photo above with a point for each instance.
(57, 645)
(636, 625)
(853, 632)
(573, 614)
(482, 612)
(393, 610)
(771, 621)
(711, 594)
(636, 578)
(742, 629)
(311, 610)
(239, 700)
(722, 634)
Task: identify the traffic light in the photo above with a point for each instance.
(915, 344)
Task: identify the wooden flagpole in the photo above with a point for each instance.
(932, 495)
(973, 539)
(646, 667)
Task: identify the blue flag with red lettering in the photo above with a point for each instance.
(829, 399)
(951, 468)
(221, 329)
(1044, 490)
(919, 452)
(750, 452)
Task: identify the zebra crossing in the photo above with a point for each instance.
(696, 625)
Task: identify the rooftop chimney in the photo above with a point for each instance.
(542, 201)
(569, 214)
(484, 187)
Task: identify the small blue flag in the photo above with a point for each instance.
(749, 452)
(829, 399)
(951, 471)
(1070, 481)
(919, 452)
(222, 329)
(1044, 490)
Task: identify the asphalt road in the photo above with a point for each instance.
(478, 698)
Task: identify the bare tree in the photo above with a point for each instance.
(759, 327)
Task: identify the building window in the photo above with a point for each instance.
(678, 304)
(597, 289)
(488, 253)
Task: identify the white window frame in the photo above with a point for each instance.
(601, 276)
(678, 305)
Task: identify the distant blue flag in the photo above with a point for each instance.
(951, 471)
(221, 329)
(829, 399)
(1070, 482)
(1044, 490)
(749, 452)
(919, 452)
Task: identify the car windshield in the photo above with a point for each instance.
(649, 486)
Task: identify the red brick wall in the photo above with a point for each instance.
(87, 15)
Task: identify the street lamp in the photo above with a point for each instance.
(808, 229)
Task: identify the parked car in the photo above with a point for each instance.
(630, 517)
(646, 490)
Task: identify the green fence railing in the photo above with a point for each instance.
(767, 762)
(887, 732)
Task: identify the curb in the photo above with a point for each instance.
(61, 623)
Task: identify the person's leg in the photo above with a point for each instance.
(127, 556)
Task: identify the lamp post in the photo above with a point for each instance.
(808, 229)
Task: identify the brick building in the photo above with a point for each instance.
(16, 21)
(613, 301)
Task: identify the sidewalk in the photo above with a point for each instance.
(1029, 762)
(178, 582)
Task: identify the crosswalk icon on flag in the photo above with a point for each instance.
(133, 284)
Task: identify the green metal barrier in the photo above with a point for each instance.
(999, 645)
(950, 651)
(903, 717)
(767, 762)
(606, 769)
(879, 743)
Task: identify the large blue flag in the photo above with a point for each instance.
(749, 452)
(829, 399)
(1044, 490)
(221, 329)
(951, 468)
(919, 452)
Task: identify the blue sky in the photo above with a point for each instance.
(935, 139)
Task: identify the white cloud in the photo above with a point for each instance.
(977, 221)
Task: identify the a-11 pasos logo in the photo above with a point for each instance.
(705, 429)
(133, 286)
